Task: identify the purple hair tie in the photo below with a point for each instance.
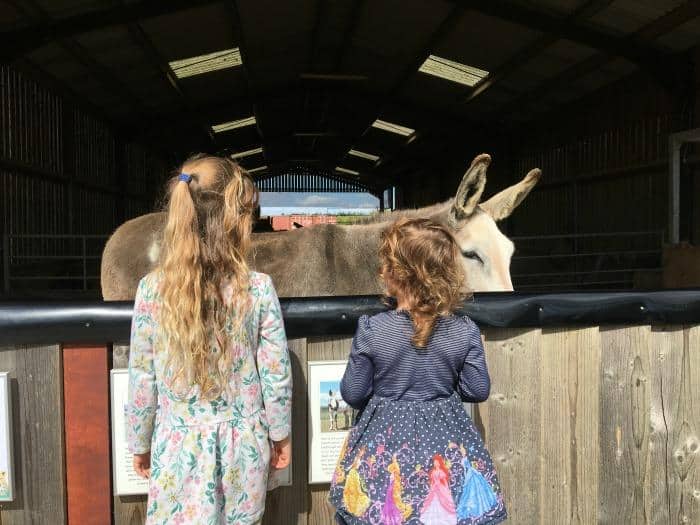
(184, 177)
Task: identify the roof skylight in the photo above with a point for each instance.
(363, 155)
(246, 153)
(259, 168)
(345, 170)
(189, 67)
(453, 71)
(234, 124)
(393, 128)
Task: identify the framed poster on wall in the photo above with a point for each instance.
(330, 418)
(7, 479)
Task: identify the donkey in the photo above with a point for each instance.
(330, 259)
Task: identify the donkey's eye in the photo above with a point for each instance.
(473, 256)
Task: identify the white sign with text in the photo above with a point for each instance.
(6, 452)
(330, 418)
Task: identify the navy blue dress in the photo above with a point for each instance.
(414, 455)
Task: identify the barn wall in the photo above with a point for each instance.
(693, 178)
(605, 169)
(585, 425)
(435, 176)
(62, 170)
(605, 162)
(606, 146)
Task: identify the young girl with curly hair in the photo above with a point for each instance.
(209, 373)
(414, 454)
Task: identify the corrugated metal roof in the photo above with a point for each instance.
(303, 179)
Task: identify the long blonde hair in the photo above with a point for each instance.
(421, 259)
(205, 243)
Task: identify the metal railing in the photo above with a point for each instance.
(51, 262)
(612, 260)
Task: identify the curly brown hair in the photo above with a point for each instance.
(420, 262)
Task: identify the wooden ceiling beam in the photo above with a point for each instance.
(446, 25)
(18, 42)
(109, 81)
(635, 50)
(528, 53)
(348, 35)
(675, 75)
(235, 16)
(154, 57)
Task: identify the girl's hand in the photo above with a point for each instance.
(142, 465)
(281, 453)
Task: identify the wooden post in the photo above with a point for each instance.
(87, 437)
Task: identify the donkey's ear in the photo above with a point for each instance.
(469, 191)
(503, 203)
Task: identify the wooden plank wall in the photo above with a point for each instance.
(37, 414)
(587, 425)
(596, 425)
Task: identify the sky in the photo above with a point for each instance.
(280, 203)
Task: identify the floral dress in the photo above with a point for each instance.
(210, 458)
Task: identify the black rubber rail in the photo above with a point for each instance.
(47, 322)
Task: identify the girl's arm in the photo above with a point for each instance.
(143, 395)
(474, 381)
(274, 367)
(356, 385)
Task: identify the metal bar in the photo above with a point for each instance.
(590, 272)
(674, 189)
(56, 278)
(46, 175)
(6, 262)
(58, 236)
(583, 235)
(675, 141)
(84, 265)
(40, 322)
(589, 283)
(56, 257)
(588, 254)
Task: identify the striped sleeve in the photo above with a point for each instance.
(474, 381)
(356, 386)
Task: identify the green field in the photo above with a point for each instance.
(326, 424)
(348, 219)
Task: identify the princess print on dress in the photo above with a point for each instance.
(354, 494)
(439, 507)
(477, 496)
(395, 510)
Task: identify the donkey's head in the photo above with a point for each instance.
(486, 252)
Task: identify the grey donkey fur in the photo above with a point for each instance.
(334, 259)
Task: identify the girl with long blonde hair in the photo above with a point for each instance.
(409, 371)
(209, 373)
